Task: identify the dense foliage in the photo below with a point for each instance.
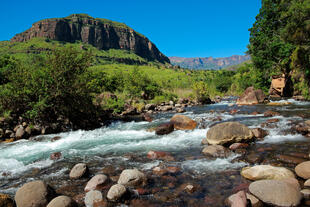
(279, 41)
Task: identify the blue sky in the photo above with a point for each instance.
(185, 28)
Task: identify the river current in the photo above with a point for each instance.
(124, 145)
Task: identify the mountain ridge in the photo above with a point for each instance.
(101, 33)
(201, 63)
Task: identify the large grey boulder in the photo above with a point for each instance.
(34, 194)
(276, 192)
(62, 201)
(227, 133)
(131, 177)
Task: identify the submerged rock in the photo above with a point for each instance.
(6, 201)
(34, 194)
(303, 170)
(262, 172)
(116, 192)
(216, 151)
(131, 177)
(78, 171)
(276, 192)
(95, 181)
(237, 200)
(228, 132)
(182, 122)
(55, 156)
(62, 201)
(92, 197)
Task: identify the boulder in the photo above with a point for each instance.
(131, 177)
(216, 151)
(254, 201)
(251, 96)
(259, 133)
(78, 171)
(92, 197)
(303, 170)
(62, 201)
(20, 132)
(34, 194)
(95, 181)
(150, 107)
(165, 128)
(116, 192)
(305, 193)
(182, 122)
(237, 200)
(55, 156)
(281, 86)
(262, 172)
(228, 132)
(6, 201)
(276, 192)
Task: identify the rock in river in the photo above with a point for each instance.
(92, 197)
(261, 172)
(182, 122)
(116, 192)
(276, 192)
(228, 132)
(62, 201)
(216, 151)
(165, 128)
(303, 170)
(78, 171)
(251, 96)
(131, 177)
(34, 194)
(96, 181)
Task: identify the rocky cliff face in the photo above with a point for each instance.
(208, 62)
(101, 33)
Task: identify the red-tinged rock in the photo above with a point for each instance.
(241, 187)
(173, 170)
(147, 117)
(273, 120)
(55, 156)
(254, 113)
(271, 113)
(165, 128)
(290, 159)
(233, 111)
(101, 203)
(156, 154)
(142, 191)
(55, 138)
(182, 122)
(259, 133)
(264, 149)
(237, 200)
(159, 171)
(236, 146)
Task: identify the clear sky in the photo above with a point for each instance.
(185, 28)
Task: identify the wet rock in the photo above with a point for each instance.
(159, 155)
(305, 193)
(259, 133)
(290, 159)
(228, 132)
(272, 120)
(92, 197)
(131, 177)
(20, 132)
(180, 110)
(116, 192)
(78, 171)
(190, 188)
(173, 170)
(236, 146)
(284, 103)
(254, 158)
(182, 122)
(261, 172)
(271, 113)
(100, 204)
(307, 183)
(216, 151)
(159, 171)
(303, 170)
(55, 138)
(147, 117)
(62, 201)
(163, 129)
(254, 201)
(96, 181)
(275, 192)
(150, 107)
(6, 201)
(34, 194)
(55, 156)
(251, 96)
(237, 200)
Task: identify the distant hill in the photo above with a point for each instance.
(208, 62)
(103, 34)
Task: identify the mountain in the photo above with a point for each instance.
(101, 33)
(208, 62)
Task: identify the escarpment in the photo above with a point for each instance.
(102, 33)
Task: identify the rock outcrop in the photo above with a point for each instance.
(281, 86)
(102, 33)
(251, 96)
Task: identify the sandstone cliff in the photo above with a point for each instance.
(101, 33)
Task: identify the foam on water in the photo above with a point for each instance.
(204, 166)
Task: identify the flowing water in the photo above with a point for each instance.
(124, 145)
